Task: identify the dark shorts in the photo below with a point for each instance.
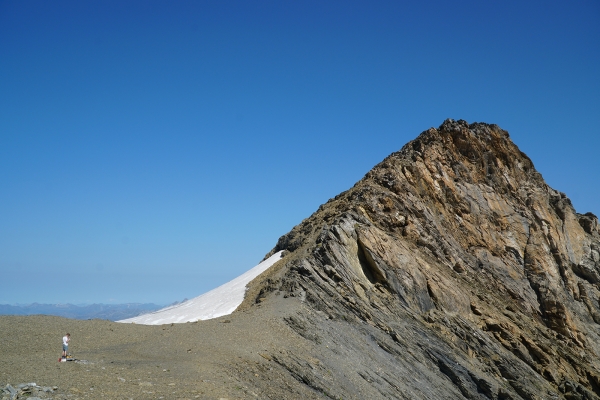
(65, 347)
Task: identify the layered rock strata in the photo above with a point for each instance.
(451, 270)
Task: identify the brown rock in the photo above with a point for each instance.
(477, 222)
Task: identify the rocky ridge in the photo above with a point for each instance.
(451, 270)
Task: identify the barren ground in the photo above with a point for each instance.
(213, 359)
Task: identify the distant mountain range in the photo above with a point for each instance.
(110, 312)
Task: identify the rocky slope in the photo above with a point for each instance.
(450, 270)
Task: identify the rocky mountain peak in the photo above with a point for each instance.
(455, 257)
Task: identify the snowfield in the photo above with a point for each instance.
(216, 303)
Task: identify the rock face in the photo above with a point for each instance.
(451, 270)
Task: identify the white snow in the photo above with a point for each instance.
(216, 303)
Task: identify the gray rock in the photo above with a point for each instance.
(12, 392)
(488, 286)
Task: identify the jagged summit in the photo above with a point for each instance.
(455, 153)
(454, 256)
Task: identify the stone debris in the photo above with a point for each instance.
(30, 391)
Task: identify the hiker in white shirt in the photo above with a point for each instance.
(66, 340)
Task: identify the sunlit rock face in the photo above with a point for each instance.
(450, 270)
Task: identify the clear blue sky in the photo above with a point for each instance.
(152, 150)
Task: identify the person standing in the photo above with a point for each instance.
(66, 340)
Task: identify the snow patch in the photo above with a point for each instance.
(218, 302)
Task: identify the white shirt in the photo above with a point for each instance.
(66, 340)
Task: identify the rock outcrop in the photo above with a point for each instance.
(451, 270)
(29, 391)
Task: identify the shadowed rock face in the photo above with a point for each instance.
(450, 270)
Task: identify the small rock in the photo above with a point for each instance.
(475, 309)
(459, 268)
(26, 385)
(11, 391)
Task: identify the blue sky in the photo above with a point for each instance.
(153, 150)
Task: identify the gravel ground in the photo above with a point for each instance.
(224, 358)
